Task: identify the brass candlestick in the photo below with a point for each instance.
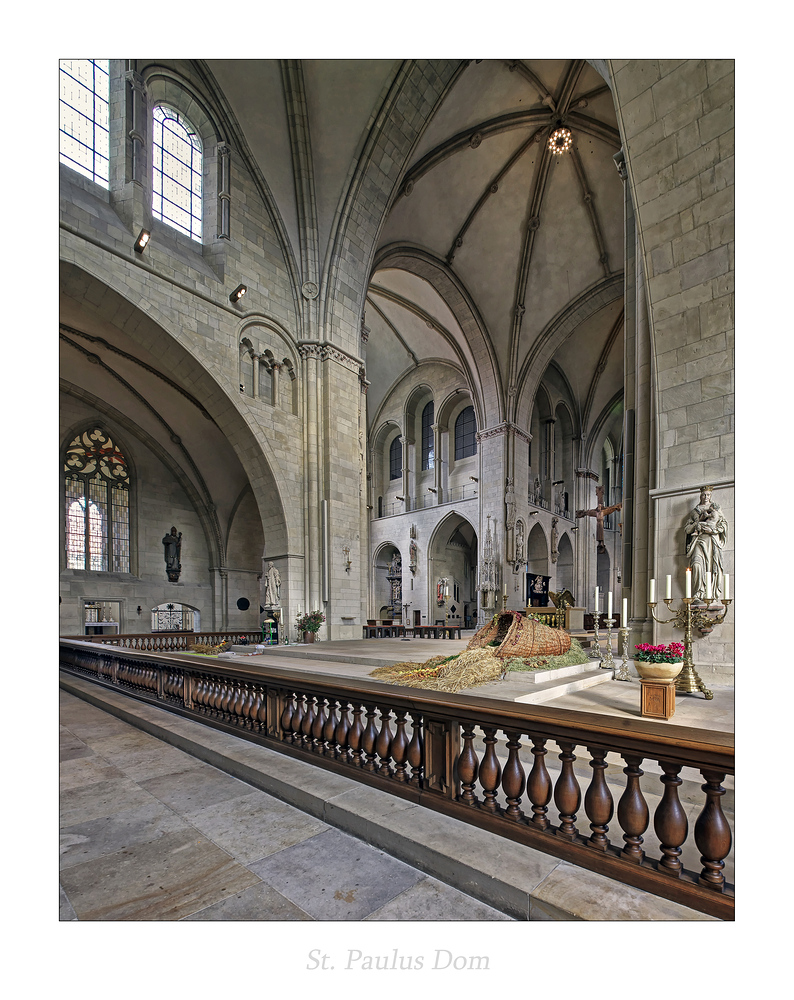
(504, 602)
(687, 617)
(607, 663)
(596, 655)
(622, 673)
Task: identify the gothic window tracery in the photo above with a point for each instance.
(96, 504)
(177, 171)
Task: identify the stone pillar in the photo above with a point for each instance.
(275, 369)
(256, 359)
(407, 488)
(224, 191)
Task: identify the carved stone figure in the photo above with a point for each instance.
(555, 537)
(172, 545)
(510, 504)
(272, 586)
(412, 551)
(706, 531)
(599, 513)
(519, 552)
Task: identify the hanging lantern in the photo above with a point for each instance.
(560, 140)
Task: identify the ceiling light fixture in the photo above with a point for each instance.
(560, 140)
(238, 293)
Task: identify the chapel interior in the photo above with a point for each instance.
(378, 338)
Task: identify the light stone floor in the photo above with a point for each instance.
(150, 833)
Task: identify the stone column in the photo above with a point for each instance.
(407, 488)
(224, 191)
(275, 369)
(256, 359)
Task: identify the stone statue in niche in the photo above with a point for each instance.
(706, 531)
(172, 545)
(510, 504)
(599, 513)
(272, 586)
(519, 551)
(555, 538)
(412, 552)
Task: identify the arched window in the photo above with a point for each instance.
(428, 443)
(84, 117)
(395, 459)
(96, 504)
(466, 434)
(176, 178)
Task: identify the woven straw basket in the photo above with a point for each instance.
(521, 636)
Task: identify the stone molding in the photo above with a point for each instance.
(503, 428)
(326, 352)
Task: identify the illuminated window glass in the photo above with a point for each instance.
(428, 443)
(176, 177)
(84, 117)
(97, 504)
(466, 434)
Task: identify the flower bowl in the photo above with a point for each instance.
(658, 671)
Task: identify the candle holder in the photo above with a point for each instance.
(596, 654)
(504, 602)
(607, 663)
(622, 673)
(688, 617)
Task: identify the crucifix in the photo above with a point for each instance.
(599, 513)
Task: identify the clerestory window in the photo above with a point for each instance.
(466, 434)
(177, 171)
(96, 504)
(85, 91)
(428, 442)
(395, 459)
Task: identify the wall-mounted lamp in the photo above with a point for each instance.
(238, 293)
(558, 482)
(474, 479)
(575, 527)
(431, 490)
(346, 550)
(533, 513)
(140, 609)
(369, 506)
(143, 238)
(400, 498)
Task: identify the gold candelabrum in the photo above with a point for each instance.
(607, 663)
(689, 617)
(596, 654)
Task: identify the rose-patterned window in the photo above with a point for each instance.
(96, 504)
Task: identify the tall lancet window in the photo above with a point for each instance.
(176, 176)
(96, 504)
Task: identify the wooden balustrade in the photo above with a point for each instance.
(169, 642)
(471, 758)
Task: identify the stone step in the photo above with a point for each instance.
(587, 676)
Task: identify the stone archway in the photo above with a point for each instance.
(452, 571)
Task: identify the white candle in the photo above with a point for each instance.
(688, 592)
(596, 600)
(652, 592)
(625, 616)
(726, 587)
(708, 586)
(668, 590)
(505, 589)
(609, 604)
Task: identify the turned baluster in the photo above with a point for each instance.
(416, 750)
(237, 703)
(198, 694)
(490, 771)
(399, 747)
(226, 697)
(318, 726)
(308, 721)
(468, 766)
(256, 705)
(286, 717)
(539, 785)
(513, 778)
(329, 729)
(383, 744)
(341, 735)
(248, 707)
(712, 832)
(369, 739)
(261, 713)
(567, 794)
(598, 801)
(633, 810)
(670, 821)
(297, 718)
(356, 735)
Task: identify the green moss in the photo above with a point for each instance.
(574, 655)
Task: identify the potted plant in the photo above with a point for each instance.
(659, 662)
(309, 624)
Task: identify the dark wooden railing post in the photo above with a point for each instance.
(442, 743)
(633, 810)
(383, 744)
(598, 801)
(712, 832)
(513, 778)
(416, 757)
(468, 766)
(490, 771)
(369, 739)
(567, 794)
(669, 820)
(539, 785)
(399, 748)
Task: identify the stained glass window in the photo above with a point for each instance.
(466, 434)
(97, 504)
(428, 443)
(176, 178)
(84, 117)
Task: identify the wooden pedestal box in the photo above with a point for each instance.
(657, 698)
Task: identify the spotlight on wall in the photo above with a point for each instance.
(558, 482)
(369, 506)
(431, 490)
(238, 293)
(400, 498)
(575, 527)
(474, 479)
(143, 238)
(533, 513)
(140, 609)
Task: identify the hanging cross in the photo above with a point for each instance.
(599, 513)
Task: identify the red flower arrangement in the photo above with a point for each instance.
(674, 653)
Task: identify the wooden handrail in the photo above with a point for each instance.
(361, 728)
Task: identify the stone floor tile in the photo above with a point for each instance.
(111, 834)
(177, 874)
(433, 900)
(195, 788)
(333, 876)
(143, 764)
(254, 826)
(70, 748)
(257, 902)
(104, 798)
(86, 771)
(65, 910)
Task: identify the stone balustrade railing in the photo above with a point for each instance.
(475, 759)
